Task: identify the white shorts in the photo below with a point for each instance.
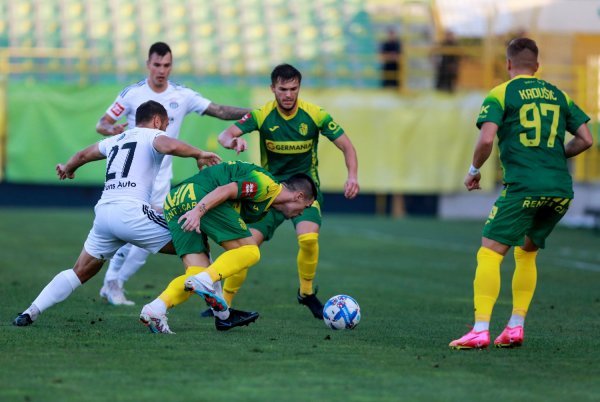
(116, 224)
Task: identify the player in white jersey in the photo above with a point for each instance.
(123, 213)
(179, 102)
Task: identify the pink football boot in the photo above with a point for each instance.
(510, 337)
(472, 340)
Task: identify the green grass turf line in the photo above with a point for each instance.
(412, 278)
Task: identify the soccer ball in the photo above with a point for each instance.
(341, 312)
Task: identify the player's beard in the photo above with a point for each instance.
(287, 108)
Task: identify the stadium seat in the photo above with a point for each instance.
(224, 37)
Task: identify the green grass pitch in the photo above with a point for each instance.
(413, 280)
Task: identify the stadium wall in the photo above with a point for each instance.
(410, 145)
(412, 150)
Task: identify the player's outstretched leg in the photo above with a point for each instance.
(155, 318)
(203, 286)
(59, 288)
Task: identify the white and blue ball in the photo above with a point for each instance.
(341, 312)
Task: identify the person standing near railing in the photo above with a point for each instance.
(390, 51)
(447, 66)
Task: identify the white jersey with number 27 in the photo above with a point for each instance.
(132, 164)
(177, 99)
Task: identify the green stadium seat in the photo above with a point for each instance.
(224, 37)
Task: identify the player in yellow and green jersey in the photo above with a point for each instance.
(289, 130)
(530, 117)
(218, 203)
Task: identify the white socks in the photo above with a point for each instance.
(481, 326)
(126, 262)
(158, 306)
(59, 288)
(516, 321)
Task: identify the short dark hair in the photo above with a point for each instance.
(302, 182)
(285, 72)
(160, 48)
(147, 110)
(523, 52)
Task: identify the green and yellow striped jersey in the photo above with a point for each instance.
(288, 144)
(257, 188)
(533, 116)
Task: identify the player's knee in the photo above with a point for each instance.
(253, 254)
(308, 241)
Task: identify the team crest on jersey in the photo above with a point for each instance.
(303, 128)
(117, 109)
(173, 105)
(249, 189)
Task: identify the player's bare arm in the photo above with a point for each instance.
(581, 141)
(225, 112)
(89, 154)
(483, 150)
(191, 219)
(106, 126)
(351, 187)
(171, 146)
(231, 138)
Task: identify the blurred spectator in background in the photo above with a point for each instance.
(447, 65)
(390, 52)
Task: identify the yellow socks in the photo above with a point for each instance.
(524, 280)
(233, 261)
(308, 257)
(174, 293)
(232, 284)
(486, 285)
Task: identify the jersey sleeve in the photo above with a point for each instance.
(103, 146)
(157, 133)
(119, 108)
(197, 103)
(492, 110)
(575, 116)
(248, 123)
(257, 186)
(329, 128)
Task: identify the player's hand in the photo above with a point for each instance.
(472, 182)
(351, 188)
(191, 219)
(239, 145)
(208, 159)
(119, 128)
(62, 173)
